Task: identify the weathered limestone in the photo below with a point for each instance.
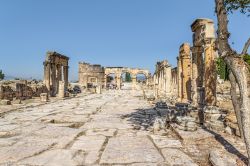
(54, 65)
(21, 89)
(5, 102)
(125, 150)
(90, 75)
(162, 79)
(44, 97)
(118, 71)
(184, 73)
(98, 89)
(61, 91)
(203, 63)
(196, 56)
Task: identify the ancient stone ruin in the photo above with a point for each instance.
(96, 75)
(90, 75)
(56, 69)
(180, 115)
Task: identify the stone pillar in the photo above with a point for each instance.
(133, 82)
(66, 76)
(105, 81)
(118, 81)
(179, 79)
(53, 80)
(196, 60)
(47, 75)
(168, 79)
(59, 72)
(58, 75)
(44, 97)
(210, 75)
(98, 89)
(186, 72)
(61, 91)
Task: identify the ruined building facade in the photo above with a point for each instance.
(56, 71)
(90, 75)
(96, 75)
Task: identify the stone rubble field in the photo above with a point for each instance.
(103, 129)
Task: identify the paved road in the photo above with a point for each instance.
(98, 129)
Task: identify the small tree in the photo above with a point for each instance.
(222, 69)
(1, 75)
(127, 77)
(239, 69)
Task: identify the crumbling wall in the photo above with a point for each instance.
(90, 75)
(21, 89)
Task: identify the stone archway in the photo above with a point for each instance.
(118, 72)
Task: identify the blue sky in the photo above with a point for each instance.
(132, 33)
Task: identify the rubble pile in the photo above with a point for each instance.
(21, 90)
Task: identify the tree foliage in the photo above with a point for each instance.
(242, 5)
(1, 75)
(247, 59)
(127, 77)
(222, 69)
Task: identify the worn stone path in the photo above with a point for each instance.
(86, 130)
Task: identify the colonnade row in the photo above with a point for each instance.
(56, 71)
(196, 68)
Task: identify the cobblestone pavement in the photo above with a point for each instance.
(86, 130)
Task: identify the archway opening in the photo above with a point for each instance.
(141, 78)
(111, 81)
(126, 78)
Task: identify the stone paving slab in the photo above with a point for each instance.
(175, 157)
(126, 150)
(165, 142)
(56, 157)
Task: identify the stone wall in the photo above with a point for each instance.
(21, 89)
(90, 75)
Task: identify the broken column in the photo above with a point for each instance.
(61, 91)
(44, 97)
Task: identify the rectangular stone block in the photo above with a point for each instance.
(5, 102)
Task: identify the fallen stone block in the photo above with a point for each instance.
(5, 102)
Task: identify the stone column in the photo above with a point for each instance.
(58, 75)
(168, 79)
(59, 72)
(61, 91)
(186, 72)
(133, 82)
(179, 79)
(66, 76)
(118, 81)
(210, 75)
(53, 80)
(47, 75)
(105, 81)
(196, 60)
